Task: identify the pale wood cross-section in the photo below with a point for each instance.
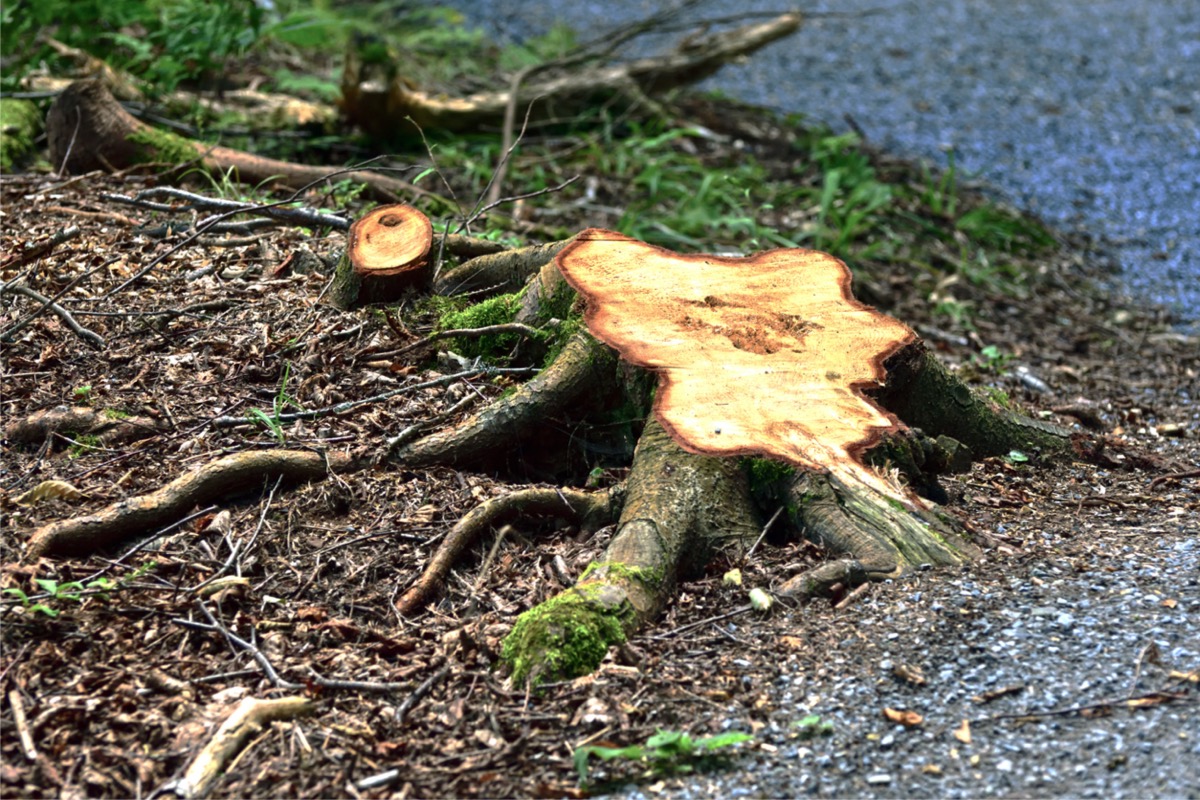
(766, 355)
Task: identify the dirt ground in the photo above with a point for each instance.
(122, 687)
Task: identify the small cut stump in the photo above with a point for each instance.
(387, 253)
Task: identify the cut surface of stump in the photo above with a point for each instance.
(387, 252)
(766, 355)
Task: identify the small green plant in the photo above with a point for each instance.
(991, 359)
(55, 591)
(664, 753)
(83, 394)
(273, 422)
(813, 726)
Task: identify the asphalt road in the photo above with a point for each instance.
(1087, 113)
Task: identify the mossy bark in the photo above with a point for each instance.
(926, 395)
(678, 507)
(870, 536)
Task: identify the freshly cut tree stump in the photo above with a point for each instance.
(387, 253)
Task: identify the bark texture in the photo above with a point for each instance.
(678, 506)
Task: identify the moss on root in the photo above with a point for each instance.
(163, 146)
(493, 311)
(568, 635)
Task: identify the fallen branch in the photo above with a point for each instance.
(382, 108)
(87, 112)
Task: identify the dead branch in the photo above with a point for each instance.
(36, 251)
(506, 271)
(116, 140)
(382, 109)
(90, 337)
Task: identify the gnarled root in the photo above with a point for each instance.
(141, 515)
(80, 421)
(592, 510)
(582, 366)
(881, 538)
(678, 505)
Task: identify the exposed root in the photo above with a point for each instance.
(497, 272)
(75, 421)
(141, 515)
(250, 717)
(583, 365)
(678, 505)
(592, 510)
(881, 538)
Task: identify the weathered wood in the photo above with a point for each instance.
(89, 130)
(384, 108)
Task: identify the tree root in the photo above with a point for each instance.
(139, 516)
(678, 506)
(582, 365)
(76, 421)
(248, 719)
(592, 510)
(497, 272)
(881, 539)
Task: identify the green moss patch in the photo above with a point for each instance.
(568, 635)
(156, 145)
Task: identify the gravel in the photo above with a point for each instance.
(1087, 113)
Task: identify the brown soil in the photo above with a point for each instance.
(214, 331)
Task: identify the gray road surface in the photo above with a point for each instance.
(1084, 111)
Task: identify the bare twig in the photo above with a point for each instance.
(411, 701)
(762, 535)
(93, 339)
(22, 725)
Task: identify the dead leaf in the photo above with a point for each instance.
(50, 490)
(909, 674)
(794, 642)
(909, 719)
(963, 732)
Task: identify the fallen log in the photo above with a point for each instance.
(88, 130)
(382, 108)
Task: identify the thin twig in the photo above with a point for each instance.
(766, 528)
(411, 701)
(41, 248)
(93, 339)
(350, 405)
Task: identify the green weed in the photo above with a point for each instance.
(664, 753)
